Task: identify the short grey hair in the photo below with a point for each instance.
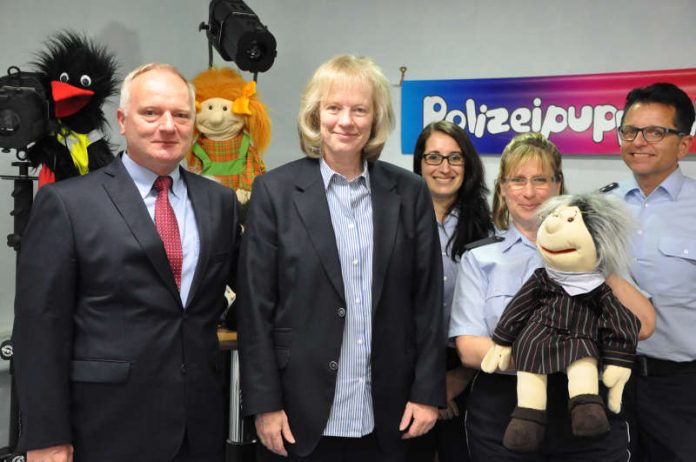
(610, 223)
(125, 86)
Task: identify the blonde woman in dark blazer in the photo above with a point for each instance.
(340, 329)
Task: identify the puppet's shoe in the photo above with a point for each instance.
(588, 416)
(526, 429)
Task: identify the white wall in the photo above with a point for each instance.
(435, 39)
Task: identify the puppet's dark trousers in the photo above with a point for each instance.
(491, 401)
(660, 400)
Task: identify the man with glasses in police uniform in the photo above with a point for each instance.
(655, 135)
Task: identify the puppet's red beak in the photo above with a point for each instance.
(69, 99)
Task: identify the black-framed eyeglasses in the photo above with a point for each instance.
(651, 133)
(455, 159)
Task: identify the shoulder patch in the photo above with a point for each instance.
(609, 187)
(482, 242)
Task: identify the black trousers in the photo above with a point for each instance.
(661, 399)
(185, 454)
(334, 449)
(493, 398)
(447, 439)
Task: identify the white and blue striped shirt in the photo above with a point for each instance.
(350, 205)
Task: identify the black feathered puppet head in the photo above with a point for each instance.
(79, 75)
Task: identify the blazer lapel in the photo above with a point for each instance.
(385, 212)
(127, 200)
(200, 201)
(313, 208)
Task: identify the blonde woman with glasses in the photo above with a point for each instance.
(489, 276)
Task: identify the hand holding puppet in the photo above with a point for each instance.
(233, 130)
(79, 76)
(565, 318)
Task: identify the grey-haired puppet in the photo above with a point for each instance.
(565, 318)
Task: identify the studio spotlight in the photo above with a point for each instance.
(23, 109)
(238, 35)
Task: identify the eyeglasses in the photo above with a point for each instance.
(651, 133)
(455, 159)
(538, 182)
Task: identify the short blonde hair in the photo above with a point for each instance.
(524, 147)
(125, 86)
(349, 69)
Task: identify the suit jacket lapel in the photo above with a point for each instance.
(200, 201)
(313, 208)
(385, 212)
(126, 198)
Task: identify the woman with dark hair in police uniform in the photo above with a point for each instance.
(445, 157)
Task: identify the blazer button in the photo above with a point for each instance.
(341, 312)
(183, 369)
(333, 365)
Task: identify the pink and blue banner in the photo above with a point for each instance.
(579, 113)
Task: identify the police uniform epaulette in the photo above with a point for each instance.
(609, 187)
(482, 242)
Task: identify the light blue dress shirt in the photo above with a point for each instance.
(185, 217)
(449, 267)
(350, 205)
(489, 276)
(664, 263)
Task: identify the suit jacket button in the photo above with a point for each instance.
(183, 369)
(333, 365)
(341, 312)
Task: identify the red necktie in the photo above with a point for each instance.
(167, 227)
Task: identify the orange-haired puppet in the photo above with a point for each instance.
(233, 130)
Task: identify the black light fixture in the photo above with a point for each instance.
(238, 35)
(23, 109)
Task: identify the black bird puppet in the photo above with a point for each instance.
(79, 75)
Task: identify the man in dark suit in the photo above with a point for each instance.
(115, 326)
(340, 294)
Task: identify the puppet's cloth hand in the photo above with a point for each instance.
(615, 378)
(497, 358)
